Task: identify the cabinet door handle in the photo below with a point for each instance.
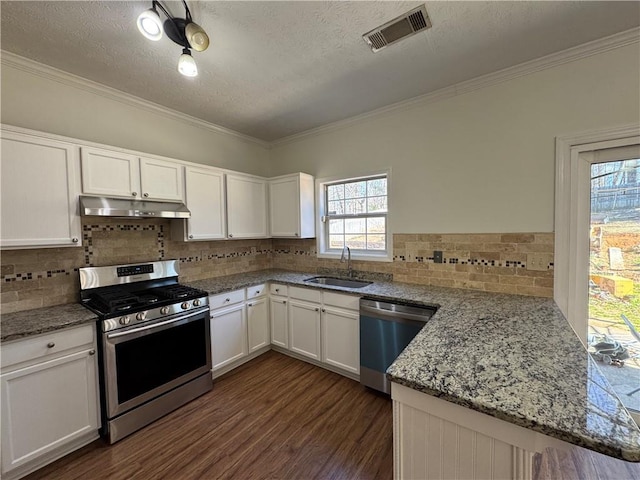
(145, 195)
(75, 240)
(284, 301)
(230, 235)
(190, 236)
(317, 309)
(277, 290)
(92, 352)
(135, 194)
(249, 304)
(51, 345)
(297, 234)
(323, 310)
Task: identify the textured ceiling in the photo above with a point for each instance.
(278, 68)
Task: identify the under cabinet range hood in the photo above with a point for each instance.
(122, 207)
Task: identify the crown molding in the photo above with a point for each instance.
(569, 55)
(50, 73)
(595, 47)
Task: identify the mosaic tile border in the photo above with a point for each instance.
(15, 277)
(466, 261)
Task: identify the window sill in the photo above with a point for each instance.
(358, 257)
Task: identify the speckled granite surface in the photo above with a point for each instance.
(42, 320)
(513, 357)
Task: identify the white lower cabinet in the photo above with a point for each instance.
(341, 339)
(258, 320)
(228, 335)
(304, 329)
(239, 327)
(49, 398)
(325, 326)
(279, 316)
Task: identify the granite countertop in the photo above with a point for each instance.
(512, 357)
(43, 320)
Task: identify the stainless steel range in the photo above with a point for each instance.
(154, 342)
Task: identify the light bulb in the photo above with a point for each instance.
(150, 25)
(187, 65)
(196, 36)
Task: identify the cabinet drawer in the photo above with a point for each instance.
(350, 302)
(257, 291)
(40, 346)
(226, 299)
(305, 294)
(278, 289)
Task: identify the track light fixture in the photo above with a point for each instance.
(183, 31)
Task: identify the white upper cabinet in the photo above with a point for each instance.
(112, 173)
(205, 199)
(39, 192)
(161, 179)
(246, 207)
(291, 206)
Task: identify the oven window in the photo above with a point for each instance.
(155, 359)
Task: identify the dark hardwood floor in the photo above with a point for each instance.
(279, 418)
(273, 418)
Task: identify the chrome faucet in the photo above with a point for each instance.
(348, 259)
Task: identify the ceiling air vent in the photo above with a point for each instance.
(401, 27)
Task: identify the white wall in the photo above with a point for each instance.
(482, 161)
(34, 101)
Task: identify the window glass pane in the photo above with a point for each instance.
(376, 225)
(355, 225)
(377, 204)
(357, 242)
(336, 208)
(336, 241)
(354, 206)
(336, 226)
(355, 189)
(375, 242)
(377, 187)
(335, 192)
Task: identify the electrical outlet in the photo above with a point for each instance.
(539, 261)
(437, 256)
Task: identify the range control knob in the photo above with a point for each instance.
(124, 320)
(164, 310)
(185, 305)
(141, 315)
(196, 302)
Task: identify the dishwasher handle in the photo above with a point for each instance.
(396, 312)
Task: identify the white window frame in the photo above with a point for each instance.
(321, 227)
(572, 211)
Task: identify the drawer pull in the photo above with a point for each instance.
(317, 309)
(284, 302)
(249, 304)
(277, 290)
(51, 345)
(92, 352)
(227, 299)
(257, 292)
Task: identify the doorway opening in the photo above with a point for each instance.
(614, 275)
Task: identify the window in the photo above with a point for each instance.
(353, 213)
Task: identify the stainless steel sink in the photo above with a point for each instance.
(338, 282)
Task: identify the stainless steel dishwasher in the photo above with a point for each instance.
(385, 330)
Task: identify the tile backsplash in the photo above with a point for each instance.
(36, 278)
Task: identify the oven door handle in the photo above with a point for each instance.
(155, 325)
